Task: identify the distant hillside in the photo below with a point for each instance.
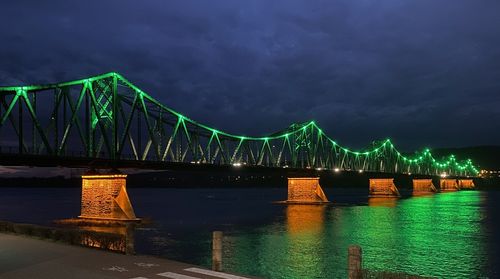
(486, 157)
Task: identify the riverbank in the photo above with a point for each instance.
(24, 257)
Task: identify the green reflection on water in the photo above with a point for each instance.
(437, 235)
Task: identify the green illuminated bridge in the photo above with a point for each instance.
(107, 118)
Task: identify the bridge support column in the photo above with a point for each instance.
(104, 196)
(466, 184)
(448, 184)
(423, 186)
(305, 190)
(383, 187)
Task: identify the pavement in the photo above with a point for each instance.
(23, 257)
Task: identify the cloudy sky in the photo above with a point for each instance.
(425, 73)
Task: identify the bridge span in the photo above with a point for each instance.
(106, 121)
(106, 117)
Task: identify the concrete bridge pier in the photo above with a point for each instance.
(466, 184)
(448, 184)
(305, 190)
(383, 187)
(104, 197)
(423, 186)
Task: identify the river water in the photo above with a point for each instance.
(446, 235)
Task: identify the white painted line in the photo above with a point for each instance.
(176, 275)
(214, 273)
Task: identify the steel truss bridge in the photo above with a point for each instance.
(106, 117)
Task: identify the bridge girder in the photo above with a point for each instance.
(108, 117)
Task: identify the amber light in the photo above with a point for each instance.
(105, 197)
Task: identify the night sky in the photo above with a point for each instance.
(424, 73)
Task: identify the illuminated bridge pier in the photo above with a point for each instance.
(104, 197)
(305, 190)
(423, 186)
(448, 184)
(466, 184)
(383, 187)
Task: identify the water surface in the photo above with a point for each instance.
(443, 235)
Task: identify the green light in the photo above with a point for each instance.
(419, 158)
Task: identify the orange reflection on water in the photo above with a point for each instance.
(109, 238)
(383, 201)
(305, 218)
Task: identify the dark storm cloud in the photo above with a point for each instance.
(425, 73)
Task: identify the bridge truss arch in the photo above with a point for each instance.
(108, 117)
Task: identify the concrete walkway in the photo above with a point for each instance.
(23, 257)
